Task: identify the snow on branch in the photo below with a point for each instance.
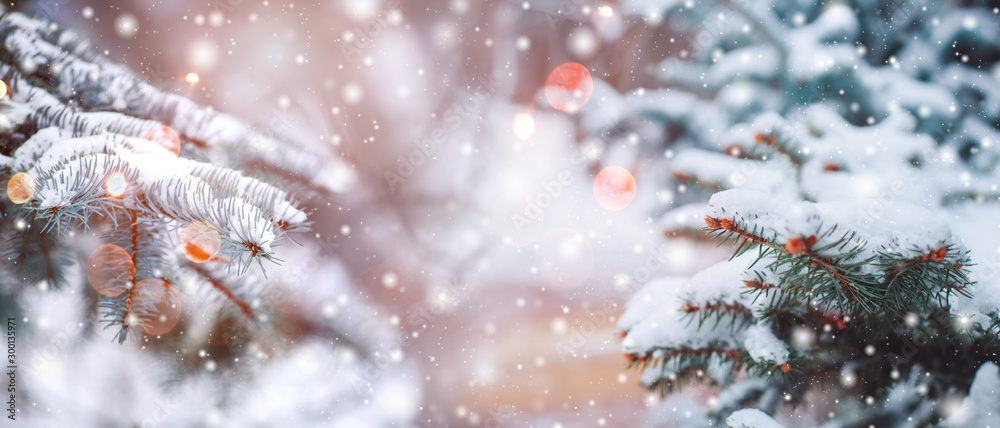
(90, 145)
(36, 53)
(842, 253)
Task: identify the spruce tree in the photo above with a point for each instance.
(847, 161)
(140, 256)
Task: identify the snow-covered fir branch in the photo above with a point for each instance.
(852, 182)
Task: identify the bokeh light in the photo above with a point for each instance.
(569, 87)
(156, 308)
(192, 78)
(3, 89)
(614, 188)
(110, 270)
(524, 126)
(387, 275)
(165, 137)
(20, 188)
(605, 11)
(200, 242)
(116, 185)
(582, 42)
(126, 25)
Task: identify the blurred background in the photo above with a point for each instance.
(502, 177)
(472, 233)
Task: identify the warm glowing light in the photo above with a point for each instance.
(3, 89)
(155, 308)
(200, 242)
(116, 185)
(614, 188)
(192, 78)
(165, 137)
(20, 188)
(605, 11)
(569, 87)
(524, 126)
(110, 270)
(385, 275)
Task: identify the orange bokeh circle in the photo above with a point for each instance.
(165, 137)
(155, 307)
(614, 188)
(200, 242)
(569, 87)
(20, 188)
(110, 270)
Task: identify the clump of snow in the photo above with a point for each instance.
(248, 225)
(751, 418)
(763, 346)
(653, 317)
(883, 225)
(739, 391)
(980, 408)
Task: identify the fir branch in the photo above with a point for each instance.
(75, 189)
(73, 73)
(718, 310)
(226, 291)
(835, 272)
(80, 121)
(696, 234)
(142, 238)
(274, 202)
(915, 282)
(30, 254)
(738, 395)
(690, 178)
(692, 362)
(688, 363)
(780, 144)
(739, 152)
(115, 312)
(743, 239)
(756, 284)
(964, 196)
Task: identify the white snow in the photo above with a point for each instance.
(763, 346)
(980, 408)
(888, 225)
(248, 225)
(751, 418)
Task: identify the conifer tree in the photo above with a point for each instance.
(132, 208)
(848, 163)
(90, 147)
